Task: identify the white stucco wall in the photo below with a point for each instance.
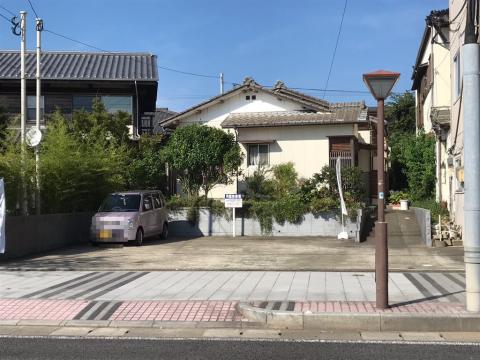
(214, 115)
(306, 146)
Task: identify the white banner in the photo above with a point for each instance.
(2, 217)
(340, 189)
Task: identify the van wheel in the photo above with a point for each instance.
(139, 237)
(164, 234)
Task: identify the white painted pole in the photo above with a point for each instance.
(39, 23)
(471, 95)
(234, 223)
(23, 106)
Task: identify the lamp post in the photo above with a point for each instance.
(380, 84)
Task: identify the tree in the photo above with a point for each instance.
(400, 115)
(99, 123)
(76, 174)
(417, 155)
(146, 169)
(203, 156)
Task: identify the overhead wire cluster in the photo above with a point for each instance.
(15, 22)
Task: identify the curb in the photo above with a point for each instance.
(360, 321)
(243, 324)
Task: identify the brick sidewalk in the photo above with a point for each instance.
(193, 311)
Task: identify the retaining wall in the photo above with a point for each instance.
(425, 222)
(29, 235)
(312, 225)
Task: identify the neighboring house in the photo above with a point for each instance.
(279, 125)
(161, 114)
(458, 15)
(432, 84)
(71, 80)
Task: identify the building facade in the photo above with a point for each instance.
(278, 125)
(72, 80)
(432, 85)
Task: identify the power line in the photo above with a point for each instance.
(6, 18)
(187, 73)
(331, 90)
(33, 9)
(110, 52)
(10, 12)
(77, 41)
(336, 46)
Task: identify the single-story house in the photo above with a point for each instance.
(71, 80)
(279, 125)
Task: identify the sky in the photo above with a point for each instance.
(268, 40)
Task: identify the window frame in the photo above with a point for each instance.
(258, 154)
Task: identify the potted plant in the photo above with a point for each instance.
(399, 200)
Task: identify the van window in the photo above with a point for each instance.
(156, 201)
(147, 203)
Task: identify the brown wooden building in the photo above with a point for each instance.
(72, 80)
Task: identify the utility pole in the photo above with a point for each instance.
(39, 28)
(471, 115)
(221, 83)
(23, 107)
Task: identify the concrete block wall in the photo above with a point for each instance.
(208, 224)
(425, 222)
(29, 235)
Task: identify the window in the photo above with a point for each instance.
(156, 201)
(120, 203)
(251, 97)
(118, 103)
(31, 108)
(83, 102)
(147, 203)
(457, 76)
(247, 97)
(254, 97)
(112, 103)
(258, 154)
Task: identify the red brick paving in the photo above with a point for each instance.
(205, 311)
(21, 309)
(177, 311)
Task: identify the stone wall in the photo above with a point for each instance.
(326, 225)
(29, 235)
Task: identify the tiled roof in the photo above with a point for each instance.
(82, 66)
(347, 115)
(308, 102)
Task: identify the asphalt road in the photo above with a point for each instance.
(119, 349)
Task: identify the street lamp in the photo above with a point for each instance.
(380, 83)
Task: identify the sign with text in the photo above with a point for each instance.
(233, 200)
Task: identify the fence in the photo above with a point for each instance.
(29, 235)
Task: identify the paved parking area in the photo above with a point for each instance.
(245, 253)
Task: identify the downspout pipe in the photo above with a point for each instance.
(471, 96)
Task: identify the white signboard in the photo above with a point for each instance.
(233, 200)
(2, 217)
